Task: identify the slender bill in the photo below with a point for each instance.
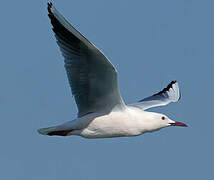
(178, 124)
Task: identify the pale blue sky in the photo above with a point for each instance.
(151, 42)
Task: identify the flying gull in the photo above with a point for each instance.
(102, 112)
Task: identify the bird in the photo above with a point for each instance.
(102, 112)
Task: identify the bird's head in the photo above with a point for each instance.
(156, 121)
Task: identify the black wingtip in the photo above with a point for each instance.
(167, 88)
(50, 5)
(50, 13)
(164, 90)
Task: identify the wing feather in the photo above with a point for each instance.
(92, 77)
(167, 95)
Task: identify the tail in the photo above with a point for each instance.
(55, 130)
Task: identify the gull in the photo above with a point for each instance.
(102, 112)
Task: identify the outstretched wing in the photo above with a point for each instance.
(93, 79)
(164, 97)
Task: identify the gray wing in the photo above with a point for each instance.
(164, 97)
(93, 79)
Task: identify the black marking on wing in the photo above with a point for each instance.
(164, 90)
(62, 32)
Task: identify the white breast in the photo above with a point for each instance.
(114, 124)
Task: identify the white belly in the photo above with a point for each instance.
(114, 124)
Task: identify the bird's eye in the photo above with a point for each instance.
(163, 118)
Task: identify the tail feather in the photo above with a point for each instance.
(56, 130)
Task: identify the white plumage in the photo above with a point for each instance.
(93, 80)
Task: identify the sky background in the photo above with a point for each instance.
(151, 42)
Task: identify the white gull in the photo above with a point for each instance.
(102, 112)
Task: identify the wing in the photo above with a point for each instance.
(164, 97)
(93, 79)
